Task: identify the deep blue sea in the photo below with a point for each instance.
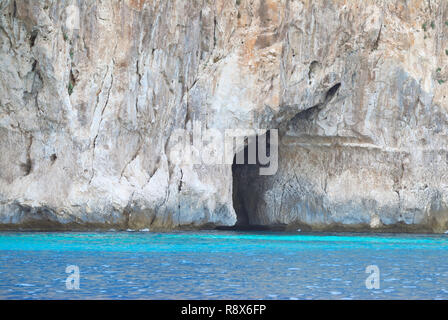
(221, 265)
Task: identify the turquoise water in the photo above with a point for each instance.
(222, 265)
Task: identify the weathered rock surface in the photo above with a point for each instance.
(357, 90)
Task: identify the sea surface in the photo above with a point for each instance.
(222, 265)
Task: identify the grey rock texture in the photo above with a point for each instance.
(92, 91)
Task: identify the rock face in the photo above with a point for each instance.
(92, 93)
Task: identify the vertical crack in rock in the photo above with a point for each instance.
(214, 32)
(179, 189)
(28, 165)
(397, 179)
(72, 82)
(99, 127)
(33, 37)
(180, 180)
(377, 41)
(104, 106)
(14, 11)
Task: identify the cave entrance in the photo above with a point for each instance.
(247, 183)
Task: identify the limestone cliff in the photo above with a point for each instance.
(91, 93)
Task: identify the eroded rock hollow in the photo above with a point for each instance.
(92, 92)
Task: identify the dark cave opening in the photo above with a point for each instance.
(247, 181)
(240, 175)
